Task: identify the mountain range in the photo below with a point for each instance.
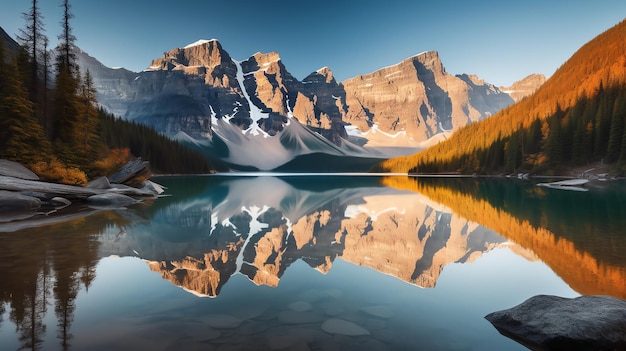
(255, 115)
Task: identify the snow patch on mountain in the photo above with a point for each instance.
(199, 42)
(255, 113)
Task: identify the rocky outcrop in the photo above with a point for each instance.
(23, 195)
(546, 322)
(16, 170)
(114, 89)
(189, 88)
(418, 97)
(525, 87)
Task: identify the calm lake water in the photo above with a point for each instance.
(307, 263)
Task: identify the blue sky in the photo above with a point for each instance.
(500, 41)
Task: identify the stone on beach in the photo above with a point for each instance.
(131, 170)
(546, 322)
(300, 306)
(378, 311)
(10, 201)
(16, 170)
(111, 199)
(99, 183)
(343, 327)
(221, 321)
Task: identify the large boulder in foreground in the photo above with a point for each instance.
(10, 201)
(16, 170)
(546, 322)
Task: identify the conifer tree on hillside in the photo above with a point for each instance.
(88, 141)
(32, 38)
(65, 131)
(22, 139)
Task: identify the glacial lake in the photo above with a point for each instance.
(307, 263)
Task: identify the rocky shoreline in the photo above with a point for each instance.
(23, 196)
(545, 323)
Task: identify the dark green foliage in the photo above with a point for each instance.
(164, 154)
(319, 162)
(22, 138)
(38, 123)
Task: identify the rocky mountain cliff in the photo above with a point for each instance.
(524, 87)
(193, 89)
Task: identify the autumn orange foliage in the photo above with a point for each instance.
(582, 271)
(54, 170)
(115, 159)
(600, 62)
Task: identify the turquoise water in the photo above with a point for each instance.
(307, 263)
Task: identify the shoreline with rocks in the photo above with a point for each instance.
(27, 201)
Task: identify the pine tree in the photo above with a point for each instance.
(65, 131)
(31, 38)
(22, 138)
(616, 131)
(89, 140)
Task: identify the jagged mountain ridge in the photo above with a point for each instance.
(188, 88)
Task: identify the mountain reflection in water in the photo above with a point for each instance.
(259, 226)
(213, 230)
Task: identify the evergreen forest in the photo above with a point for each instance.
(50, 120)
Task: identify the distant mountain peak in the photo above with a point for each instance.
(525, 86)
(200, 42)
(267, 58)
(202, 53)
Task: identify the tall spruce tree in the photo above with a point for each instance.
(22, 139)
(31, 37)
(66, 102)
(89, 141)
(616, 131)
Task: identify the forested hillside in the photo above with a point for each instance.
(49, 120)
(575, 118)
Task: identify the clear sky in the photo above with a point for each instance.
(500, 41)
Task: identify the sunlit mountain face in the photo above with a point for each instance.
(253, 114)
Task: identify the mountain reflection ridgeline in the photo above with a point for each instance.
(579, 235)
(259, 226)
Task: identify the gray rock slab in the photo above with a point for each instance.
(378, 311)
(129, 171)
(14, 169)
(343, 327)
(152, 187)
(300, 306)
(111, 199)
(546, 322)
(294, 317)
(10, 201)
(60, 201)
(130, 191)
(99, 183)
(69, 191)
